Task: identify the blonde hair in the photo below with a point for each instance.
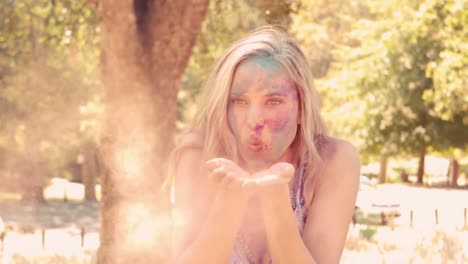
(210, 125)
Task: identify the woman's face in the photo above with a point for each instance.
(263, 110)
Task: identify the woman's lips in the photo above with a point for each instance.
(256, 145)
(255, 148)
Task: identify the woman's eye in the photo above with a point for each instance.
(274, 101)
(238, 101)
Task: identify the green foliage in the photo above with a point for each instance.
(448, 71)
(397, 72)
(49, 53)
(368, 233)
(322, 26)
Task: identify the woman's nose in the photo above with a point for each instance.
(255, 118)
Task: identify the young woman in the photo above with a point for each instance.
(257, 178)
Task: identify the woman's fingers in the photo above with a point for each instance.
(270, 179)
(284, 169)
(218, 174)
(213, 163)
(225, 178)
(229, 175)
(279, 173)
(229, 181)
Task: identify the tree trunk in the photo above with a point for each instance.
(33, 184)
(146, 47)
(422, 156)
(404, 176)
(383, 168)
(89, 172)
(449, 172)
(454, 171)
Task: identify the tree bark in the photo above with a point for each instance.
(89, 173)
(146, 47)
(383, 168)
(454, 172)
(422, 157)
(404, 176)
(33, 185)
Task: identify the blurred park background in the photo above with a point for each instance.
(392, 76)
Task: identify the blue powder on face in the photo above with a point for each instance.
(268, 63)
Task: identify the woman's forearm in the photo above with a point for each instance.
(284, 240)
(216, 238)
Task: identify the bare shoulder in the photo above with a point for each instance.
(191, 139)
(188, 157)
(187, 162)
(330, 148)
(340, 160)
(338, 150)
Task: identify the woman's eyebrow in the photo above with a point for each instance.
(236, 94)
(278, 93)
(237, 89)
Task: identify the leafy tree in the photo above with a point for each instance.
(323, 29)
(396, 74)
(323, 26)
(45, 74)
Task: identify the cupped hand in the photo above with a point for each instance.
(230, 176)
(279, 173)
(227, 173)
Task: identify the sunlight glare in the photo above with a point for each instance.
(144, 227)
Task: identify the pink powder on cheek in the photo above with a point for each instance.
(280, 120)
(279, 133)
(277, 124)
